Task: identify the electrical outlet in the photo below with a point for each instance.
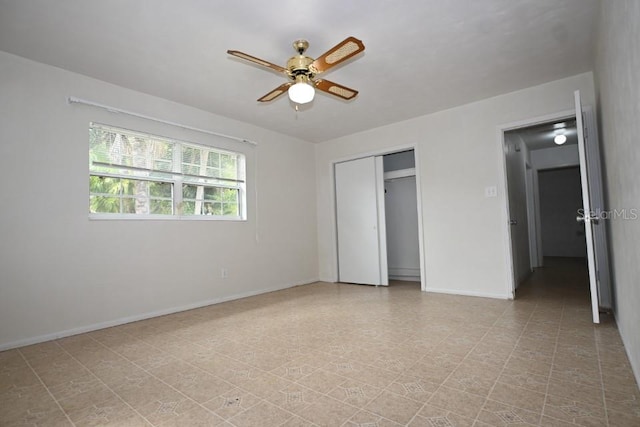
(224, 273)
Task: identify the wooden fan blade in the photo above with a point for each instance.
(275, 93)
(258, 61)
(339, 53)
(336, 89)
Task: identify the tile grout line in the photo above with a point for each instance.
(342, 356)
(460, 363)
(45, 387)
(504, 366)
(359, 409)
(604, 393)
(553, 359)
(386, 389)
(189, 398)
(102, 382)
(153, 376)
(260, 399)
(398, 376)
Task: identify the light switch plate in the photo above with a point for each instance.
(491, 191)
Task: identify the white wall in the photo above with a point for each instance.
(61, 273)
(555, 157)
(618, 83)
(459, 153)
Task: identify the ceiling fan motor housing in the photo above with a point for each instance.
(299, 64)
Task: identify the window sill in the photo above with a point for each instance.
(134, 217)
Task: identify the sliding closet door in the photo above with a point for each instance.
(360, 222)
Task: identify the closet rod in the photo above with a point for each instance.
(74, 100)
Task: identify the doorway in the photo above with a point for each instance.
(401, 217)
(556, 142)
(529, 151)
(378, 227)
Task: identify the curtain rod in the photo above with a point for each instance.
(73, 100)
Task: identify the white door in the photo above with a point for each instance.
(360, 221)
(587, 217)
(596, 193)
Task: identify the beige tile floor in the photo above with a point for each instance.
(339, 355)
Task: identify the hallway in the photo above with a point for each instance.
(588, 362)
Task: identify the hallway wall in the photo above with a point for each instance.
(618, 88)
(560, 199)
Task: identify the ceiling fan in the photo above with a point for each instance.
(302, 70)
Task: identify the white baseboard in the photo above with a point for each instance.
(405, 278)
(143, 316)
(467, 293)
(404, 274)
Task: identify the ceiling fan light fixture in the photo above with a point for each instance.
(302, 92)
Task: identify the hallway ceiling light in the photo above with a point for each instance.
(560, 139)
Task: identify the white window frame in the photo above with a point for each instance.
(176, 178)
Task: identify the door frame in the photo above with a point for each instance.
(334, 227)
(593, 149)
(511, 284)
(532, 221)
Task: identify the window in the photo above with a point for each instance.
(137, 175)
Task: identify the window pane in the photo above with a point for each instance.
(213, 160)
(228, 166)
(129, 205)
(230, 195)
(217, 208)
(160, 189)
(113, 147)
(203, 200)
(129, 187)
(188, 208)
(161, 207)
(104, 185)
(212, 193)
(207, 208)
(230, 209)
(191, 160)
(189, 191)
(102, 204)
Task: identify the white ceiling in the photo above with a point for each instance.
(421, 56)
